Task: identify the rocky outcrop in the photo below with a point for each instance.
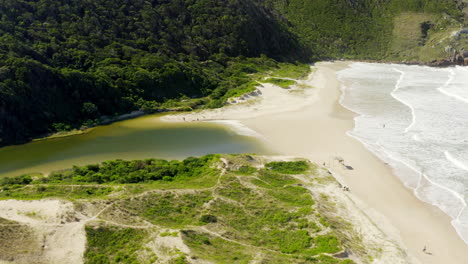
(457, 58)
(244, 97)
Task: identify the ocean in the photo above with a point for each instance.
(415, 118)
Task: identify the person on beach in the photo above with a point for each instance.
(424, 249)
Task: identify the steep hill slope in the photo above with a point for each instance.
(69, 62)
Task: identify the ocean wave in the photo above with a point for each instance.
(393, 94)
(455, 161)
(409, 118)
(444, 89)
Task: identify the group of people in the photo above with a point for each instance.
(425, 251)
(198, 119)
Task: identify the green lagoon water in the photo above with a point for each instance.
(143, 137)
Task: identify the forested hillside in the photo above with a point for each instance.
(64, 63)
(361, 29)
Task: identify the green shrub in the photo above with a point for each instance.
(195, 237)
(169, 209)
(288, 167)
(179, 260)
(291, 241)
(208, 219)
(19, 180)
(112, 245)
(325, 244)
(135, 171)
(246, 170)
(293, 195)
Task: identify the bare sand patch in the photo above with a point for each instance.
(48, 231)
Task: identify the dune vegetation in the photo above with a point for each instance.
(223, 209)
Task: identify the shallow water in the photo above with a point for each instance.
(143, 137)
(415, 118)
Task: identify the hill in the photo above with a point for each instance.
(66, 64)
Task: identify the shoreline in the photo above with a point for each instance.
(62, 134)
(317, 129)
(76, 131)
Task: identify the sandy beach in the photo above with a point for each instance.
(307, 121)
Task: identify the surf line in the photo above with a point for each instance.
(456, 162)
(450, 79)
(398, 86)
(422, 176)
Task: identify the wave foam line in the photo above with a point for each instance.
(417, 170)
(450, 79)
(454, 193)
(397, 86)
(456, 162)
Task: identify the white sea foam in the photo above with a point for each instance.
(458, 90)
(415, 118)
(393, 94)
(455, 161)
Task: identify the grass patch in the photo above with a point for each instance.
(246, 170)
(270, 179)
(241, 90)
(272, 217)
(325, 244)
(172, 234)
(280, 82)
(288, 167)
(113, 245)
(31, 192)
(294, 71)
(233, 189)
(408, 36)
(292, 195)
(291, 242)
(324, 259)
(169, 209)
(216, 249)
(422, 36)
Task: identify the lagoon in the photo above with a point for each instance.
(139, 138)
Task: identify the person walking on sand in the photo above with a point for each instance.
(424, 249)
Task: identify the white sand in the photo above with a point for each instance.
(58, 227)
(310, 123)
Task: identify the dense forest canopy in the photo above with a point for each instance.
(64, 63)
